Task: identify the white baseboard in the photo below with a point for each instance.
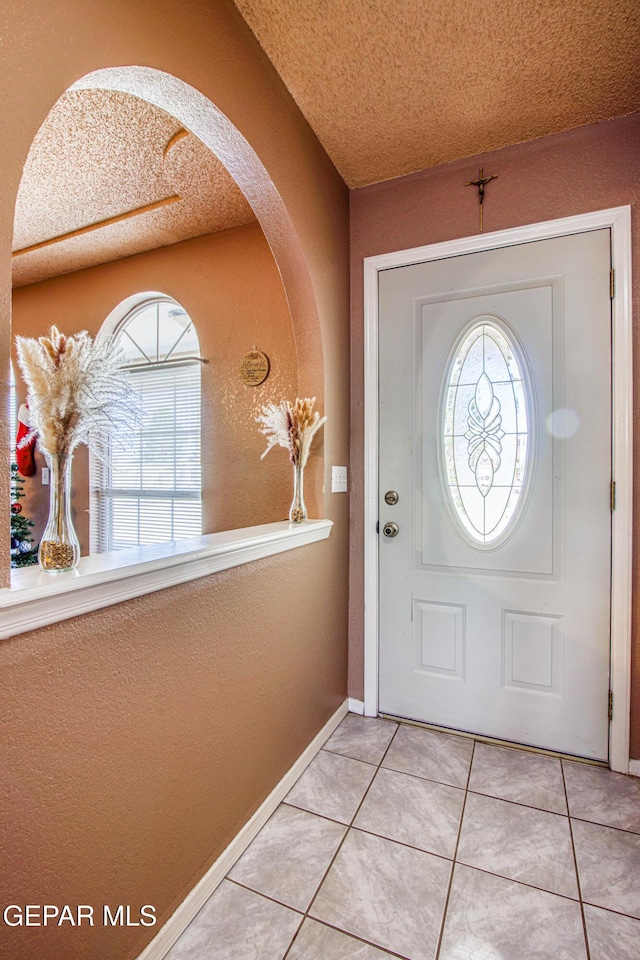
(634, 768)
(196, 899)
(356, 706)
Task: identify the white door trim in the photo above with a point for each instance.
(619, 220)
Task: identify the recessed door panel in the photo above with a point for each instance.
(439, 638)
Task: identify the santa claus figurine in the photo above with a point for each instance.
(24, 451)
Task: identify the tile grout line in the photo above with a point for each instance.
(455, 854)
(379, 768)
(338, 849)
(266, 896)
(517, 803)
(519, 883)
(402, 843)
(575, 863)
(334, 753)
(416, 776)
(351, 822)
(314, 813)
(353, 936)
(607, 826)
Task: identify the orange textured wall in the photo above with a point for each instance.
(231, 288)
(138, 739)
(591, 168)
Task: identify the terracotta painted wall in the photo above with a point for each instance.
(231, 288)
(591, 168)
(135, 741)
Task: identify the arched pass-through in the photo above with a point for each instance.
(248, 663)
(198, 114)
(201, 117)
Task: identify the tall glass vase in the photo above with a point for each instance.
(298, 510)
(59, 547)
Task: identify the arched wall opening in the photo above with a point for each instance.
(301, 370)
(146, 734)
(213, 50)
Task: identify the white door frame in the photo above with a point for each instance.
(619, 220)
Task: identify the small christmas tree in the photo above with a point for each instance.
(23, 552)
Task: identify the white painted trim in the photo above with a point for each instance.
(634, 768)
(371, 268)
(618, 219)
(196, 899)
(120, 311)
(356, 706)
(36, 599)
(622, 468)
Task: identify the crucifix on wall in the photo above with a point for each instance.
(481, 183)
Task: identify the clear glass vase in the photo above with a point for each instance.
(298, 510)
(59, 547)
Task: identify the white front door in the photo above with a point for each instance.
(495, 434)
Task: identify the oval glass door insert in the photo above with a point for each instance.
(485, 432)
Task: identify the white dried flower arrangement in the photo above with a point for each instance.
(292, 426)
(77, 392)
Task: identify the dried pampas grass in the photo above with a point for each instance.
(77, 392)
(292, 426)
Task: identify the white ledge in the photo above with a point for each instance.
(36, 599)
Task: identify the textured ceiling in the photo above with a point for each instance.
(389, 86)
(395, 86)
(108, 175)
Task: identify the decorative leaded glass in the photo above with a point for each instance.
(485, 435)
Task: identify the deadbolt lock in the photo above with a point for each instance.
(391, 497)
(391, 529)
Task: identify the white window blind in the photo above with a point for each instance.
(149, 489)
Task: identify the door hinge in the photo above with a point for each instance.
(613, 495)
(377, 526)
(612, 284)
(610, 704)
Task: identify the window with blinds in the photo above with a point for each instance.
(149, 488)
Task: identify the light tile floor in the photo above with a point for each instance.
(403, 842)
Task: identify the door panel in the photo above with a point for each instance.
(507, 637)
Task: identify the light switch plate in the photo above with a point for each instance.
(45, 476)
(338, 479)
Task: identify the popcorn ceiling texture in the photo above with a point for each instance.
(395, 86)
(101, 154)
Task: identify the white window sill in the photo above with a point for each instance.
(36, 599)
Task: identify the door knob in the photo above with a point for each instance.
(391, 529)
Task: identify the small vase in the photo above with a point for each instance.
(298, 510)
(59, 547)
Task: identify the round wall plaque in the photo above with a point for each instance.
(254, 368)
